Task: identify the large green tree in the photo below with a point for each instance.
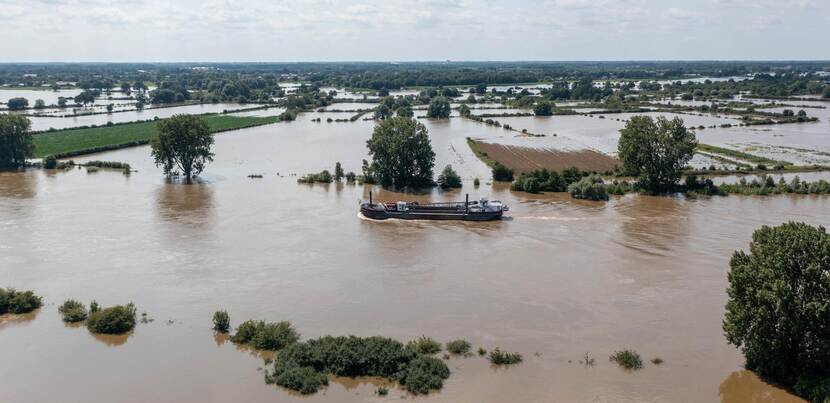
(656, 151)
(439, 107)
(18, 103)
(778, 310)
(401, 153)
(182, 146)
(15, 141)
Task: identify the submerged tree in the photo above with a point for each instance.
(449, 178)
(15, 141)
(182, 146)
(655, 151)
(778, 311)
(401, 153)
(16, 104)
(439, 107)
(543, 108)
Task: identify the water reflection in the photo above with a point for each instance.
(744, 386)
(12, 320)
(188, 204)
(112, 340)
(653, 225)
(18, 185)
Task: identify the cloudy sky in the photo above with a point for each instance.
(332, 30)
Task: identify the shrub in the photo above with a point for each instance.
(425, 345)
(73, 311)
(461, 347)
(775, 310)
(113, 320)
(353, 356)
(476, 182)
(221, 322)
(656, 360)
(628, 359)
(17, 302)
(589, 188)
(482, 351)
(323, 177)
(301, 379)
(449, 178)
(50, 162)
(382, 391)
(265, 336)
(498, 357)
(502, 173)
(424, 374)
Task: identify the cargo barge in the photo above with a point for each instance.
(478, 210)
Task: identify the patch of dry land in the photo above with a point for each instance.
(524, 159)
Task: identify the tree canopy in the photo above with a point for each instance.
(182, 146)
(543, 108)
(401, 153)
(439, 107)
(655, 151)
(18, 103)
(778, 310)
(15, 141)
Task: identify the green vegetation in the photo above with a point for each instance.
(439, 107)
(656, 360)
(182, 146)
(265, 335)
(482, 351)
(338, 172)
(50, 162)
(777, 311)
(449, 178)
(459, 347)
(766, 185)
(628, 359)
(73, 311)
(502, 173)
(543, 180)
(117, 319)
(401, 153)
(498, 357)
(221, 322)
(655, 151)
(15, 141)
(80, 141)
(303, 366)
(17, 104)
(425, 345)
(543, 108)
(17, 302)
(740, 155)
(589, 188)
(323, 177)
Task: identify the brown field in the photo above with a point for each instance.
(524, 159)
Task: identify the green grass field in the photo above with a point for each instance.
(75, 142)
(739, 155)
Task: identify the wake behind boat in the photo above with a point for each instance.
(478, 210)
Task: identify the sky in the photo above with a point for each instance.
(407, 30)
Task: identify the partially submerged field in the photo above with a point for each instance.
(525, 159)
(65, 143)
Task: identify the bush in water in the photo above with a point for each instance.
(113, 320)
(72, 311)
(221, 322)
(13, 301)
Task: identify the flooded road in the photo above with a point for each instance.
(560, 279)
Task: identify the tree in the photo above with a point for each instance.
(464, 110)
(62, 102)
(125, 88)
(826, 93)
(439, 107)
(382, 112)
(182, 145)
(338, 171)
(40, 104)
(543, 108)
(405, 112)
(16, 104)
(778, 311)
(449, 178)
(109, 108)
(655, 151)
(15, 141)
(502, 173)
(401, 153)
(86, 97)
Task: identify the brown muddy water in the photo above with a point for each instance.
(558, 279)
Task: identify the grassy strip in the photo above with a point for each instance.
(724, 160)
(74, 142)
(739, 155)
(481, 154)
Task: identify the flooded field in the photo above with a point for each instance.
(559, 279)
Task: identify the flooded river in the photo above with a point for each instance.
(559, 279)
